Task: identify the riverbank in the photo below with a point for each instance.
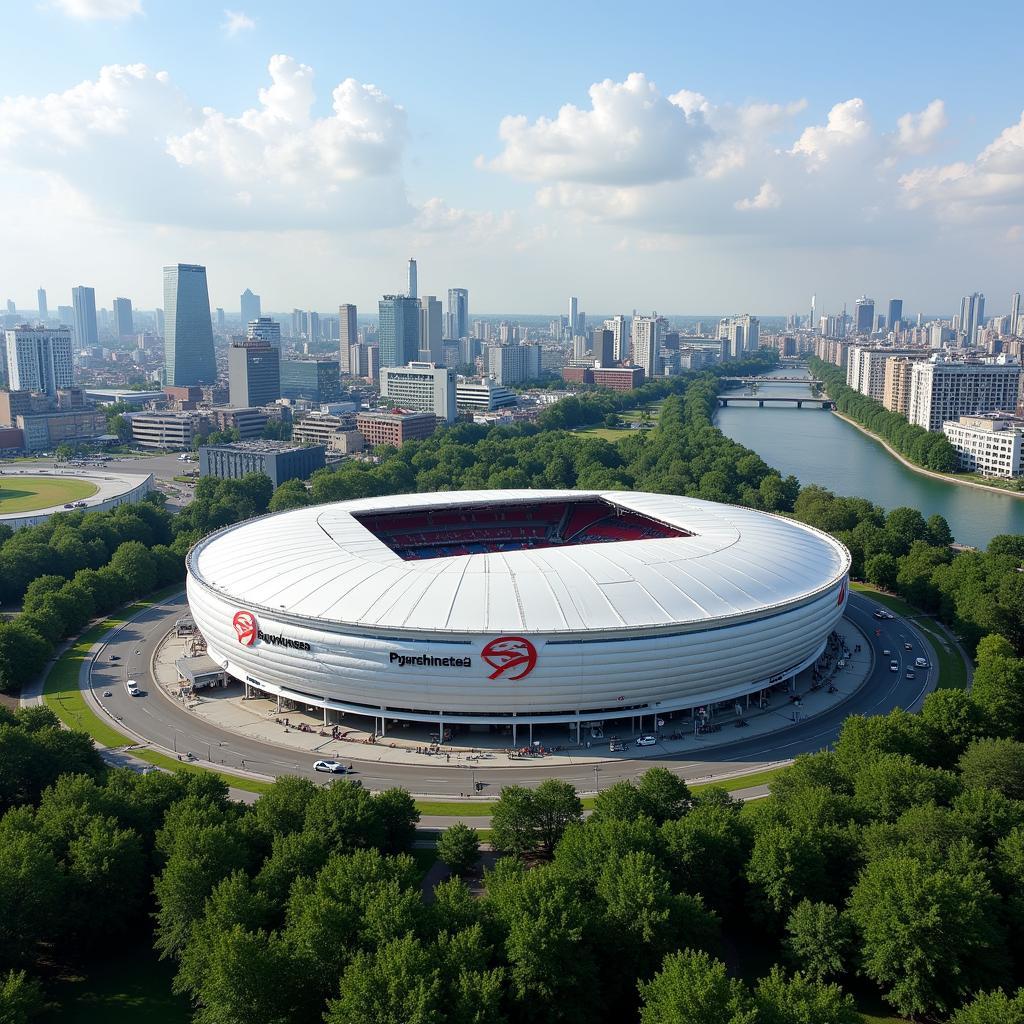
(949, 478)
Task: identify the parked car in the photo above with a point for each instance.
(334, 767)
(646, 741)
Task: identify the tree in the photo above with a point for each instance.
(346, 817)
(995, 764)
(954, 720)
(21, 998)
(459, 848)
(819, 941)
(802, 1000)
(692, 988)
(992, 1008)
(555, 807)
(881, 570)
(893, 783)
(928, 936)
(290, 494)
(397, 813)
(665, 796)
(513, 822)
(998, 688)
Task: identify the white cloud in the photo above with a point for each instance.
(99, 10)
(235, 22)
(135, 147)
(917, 132)
(847, 124)
(767, 198)
(631, 135)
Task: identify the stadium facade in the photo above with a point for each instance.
(516, 607)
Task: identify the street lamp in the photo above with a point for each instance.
(597, 778)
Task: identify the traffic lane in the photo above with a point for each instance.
(172, 727)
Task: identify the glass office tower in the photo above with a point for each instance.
(188, 332)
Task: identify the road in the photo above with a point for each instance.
(169, 726)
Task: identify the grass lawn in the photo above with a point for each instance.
(127, 988)
(605, 432)
(26, 493)
(952, 671)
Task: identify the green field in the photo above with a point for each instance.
(28, 493)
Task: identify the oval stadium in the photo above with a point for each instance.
(498, 608)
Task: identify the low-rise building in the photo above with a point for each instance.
(618, 378)
(483, 396)
(61, 426)
(395, 428)
(279, 460)
(249, 423)
(320, 427)
(163, 429)
(988, 445)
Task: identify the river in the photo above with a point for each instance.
(818, 447)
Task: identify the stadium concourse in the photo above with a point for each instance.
(496, 612)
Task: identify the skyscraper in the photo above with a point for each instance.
(430, 329)
(1015, 327)
(83, 301)
(264, 329)
(398, 330)
(602, 345)
(619, 326)
(972, 316)
(312, 330)
(254, 373)
(250, 305)
(44, 313)
(348, 335)
(39, 359)
(895, 314)
(864, 315)
(646, 344)
(412, 279)
(123, 321)
(188, 332)
(458, 314)
(574, 316)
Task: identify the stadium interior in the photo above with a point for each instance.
(468, 530)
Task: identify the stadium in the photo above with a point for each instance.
(509, 608)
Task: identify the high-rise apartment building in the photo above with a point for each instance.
(44, 313)
(264, 329)
(188, 337)
(348, 335)
(1015, 324)
(574, 316)
(513, 364)
(863, 315)
(619, 326)
(312, 329)
(412, 279)
(896, 381)
(866, 366)
(457, 325)
(254, 373)
(83, 302)
(420, 387)
(943, 389)
(431, 332)
(972, 316)
(743, 334)
(646, 344)
(602, 346)
(39, 359)
(398, 329)
(895, 314)
(124, 325)
(250, 306)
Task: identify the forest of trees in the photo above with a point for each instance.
(929, 449)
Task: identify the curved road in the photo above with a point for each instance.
(167, 725)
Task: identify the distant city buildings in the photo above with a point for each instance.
(412, 279)
(972, 316)
(44, 314)
(348, 335)
(398, 329)
(124, 324)
(188, 332)
(895, 314)
(250, 306)
(315, 380)
(254, 372)
(513, 364)
(83, 304)
(457, 325)
(431, 330)
(864, 315)
(264, 329)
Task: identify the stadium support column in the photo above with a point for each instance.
(383, 724)
(440, 727)
(325, 716)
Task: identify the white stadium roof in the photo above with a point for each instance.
(321, 563)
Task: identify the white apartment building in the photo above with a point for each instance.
(619, 326)
(646, 344)
(39, 359)
(483, 396)
(865, 367)
(989, 445)
(513, 364)
(420, 387)
(743, 333)
(942, 389)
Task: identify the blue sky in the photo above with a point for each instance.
(756, 154)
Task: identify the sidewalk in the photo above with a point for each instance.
(258, 718)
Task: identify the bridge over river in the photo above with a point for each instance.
(761, 400)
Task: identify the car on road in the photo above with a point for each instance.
(334, 767)
(133, 688)
(894, 666)
(879, 614)
(920, 663)
(886, 653)
(908, 647)
(910, 673)
(115, 657)
(646, 741)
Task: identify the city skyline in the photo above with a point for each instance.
(650, 181)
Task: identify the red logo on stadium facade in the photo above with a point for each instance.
(842, 594)
(245, 627)
(508, 653)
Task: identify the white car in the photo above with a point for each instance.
(334, 767)
(646, 741)
(920, 663)
(133, 688)
(894, 666)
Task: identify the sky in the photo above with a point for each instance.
(678, 157)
